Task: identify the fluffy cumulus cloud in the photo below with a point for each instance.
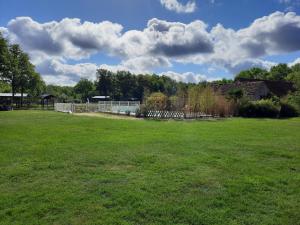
(57, 72)
(175, 5)
(158, 46)
(68, 38)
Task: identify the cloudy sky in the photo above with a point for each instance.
(188, 40)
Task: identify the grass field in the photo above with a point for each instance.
(64, 169)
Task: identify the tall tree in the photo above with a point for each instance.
(26, 70)
(4, 59)
(13, 73)
(104, 82)
(84, 88)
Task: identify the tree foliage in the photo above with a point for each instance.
(17, 71)
(253, 73)
(85, 89)
(124, 85)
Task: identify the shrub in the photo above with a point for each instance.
(222, 106)
(288, 110)
(157, 101)
(294, 99)
(266, 108)
(247, 109)
(262, 108)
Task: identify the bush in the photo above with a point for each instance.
(262, 108)
(294, 99)
(138, 113)
(157, 101)
(288, 110)
(247, 109)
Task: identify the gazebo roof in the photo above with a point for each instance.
(101, 97)
(47, 96)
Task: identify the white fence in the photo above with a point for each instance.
(63, 107)
(121, 107)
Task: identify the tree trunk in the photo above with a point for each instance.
(22, 91)
(13, 93)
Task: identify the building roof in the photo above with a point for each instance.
(47, 96)
(10, 95)
(101, 97)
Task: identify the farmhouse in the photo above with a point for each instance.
(257, 89)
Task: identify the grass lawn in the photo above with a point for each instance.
(63, 169)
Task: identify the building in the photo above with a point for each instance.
(256, 89)
(100, 98)
(6, 100)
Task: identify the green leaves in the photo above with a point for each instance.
(17, 71)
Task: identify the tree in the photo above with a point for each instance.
(157, 101)
(4, 87)
(13, 73)
(194, 95)
(279, 72)
(26, 70)
(36, 85)
(84, 88)
(235, 94)
(294, 76)
(104, 82)
(296, 68)
(253, 73)
(4, 58)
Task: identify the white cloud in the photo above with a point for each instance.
(175, 5)
(188, 77)
(159, 45)
(69, 38)
(57, 72)
(61, 80)
(296, 61)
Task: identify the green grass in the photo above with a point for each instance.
(62, 169)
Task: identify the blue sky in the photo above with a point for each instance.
(173, 44)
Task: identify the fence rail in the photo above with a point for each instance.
(102, 106)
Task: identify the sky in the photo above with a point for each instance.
(187, 40)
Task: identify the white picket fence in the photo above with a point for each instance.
(121, 107)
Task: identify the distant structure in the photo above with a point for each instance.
(46, 100)
(256, 89)
(100, 98)
(5, 99)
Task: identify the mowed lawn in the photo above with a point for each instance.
(63, 169)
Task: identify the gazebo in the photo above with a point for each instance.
(47, 99)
